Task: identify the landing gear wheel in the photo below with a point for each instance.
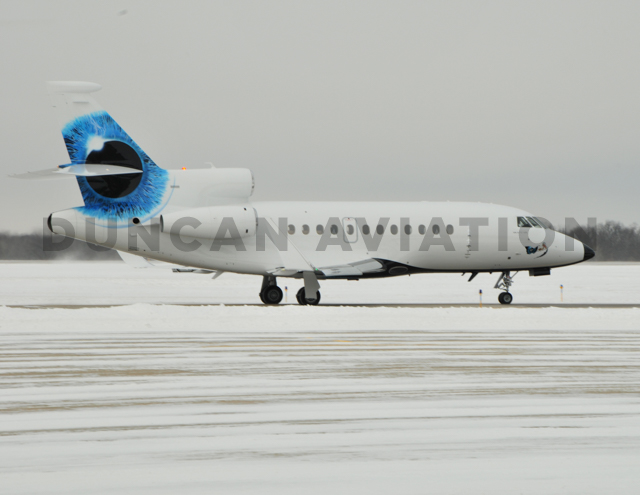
(300, 296)
(316, 301)
(271, 294)
(505, 298)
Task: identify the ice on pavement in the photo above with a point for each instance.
(152, 398)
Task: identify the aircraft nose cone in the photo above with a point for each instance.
(588, 253)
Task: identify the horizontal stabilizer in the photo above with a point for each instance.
(74, 170)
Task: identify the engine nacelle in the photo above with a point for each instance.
(230, 183)
(212, 222)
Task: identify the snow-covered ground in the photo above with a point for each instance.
(152, 398)
(117, 283)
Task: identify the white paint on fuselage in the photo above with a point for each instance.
(302, 251)
(487, 257)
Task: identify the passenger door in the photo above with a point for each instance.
(350, 229)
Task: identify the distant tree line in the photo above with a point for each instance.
(44, 247)
(612, 241)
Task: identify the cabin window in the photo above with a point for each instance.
(394, 229)
(350, 229)
(435, 229)
(422, 230)
(449, 229)
(522, 222)
(320, 229)
(292, 229)
(365, 229)
(305, 229)
(407, 229)
(334, 229)
(380, 229)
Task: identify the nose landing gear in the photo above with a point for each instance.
(505, 298)
(504, 283)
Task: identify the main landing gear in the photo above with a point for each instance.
(270, 293)
(504, 283)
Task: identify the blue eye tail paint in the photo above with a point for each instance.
(97, 138)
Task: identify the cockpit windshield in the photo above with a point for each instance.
(523, 222)
(531, 222)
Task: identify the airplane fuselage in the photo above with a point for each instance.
(291, 237)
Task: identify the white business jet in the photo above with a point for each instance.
(204, 220)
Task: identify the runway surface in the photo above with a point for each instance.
(189, 409)
(149, 397)
(441, 305)
(106, 284)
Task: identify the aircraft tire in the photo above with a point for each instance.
(271, 295)
(316, 301)
(505, 298)
(300, 297)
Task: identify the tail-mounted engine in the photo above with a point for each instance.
(212, 222)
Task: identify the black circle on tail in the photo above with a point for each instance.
(123, 155)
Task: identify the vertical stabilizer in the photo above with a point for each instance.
(92, 136)
(72, 99)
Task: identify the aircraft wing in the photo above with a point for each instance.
(355, 269)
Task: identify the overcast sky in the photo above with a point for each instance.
(530, 104)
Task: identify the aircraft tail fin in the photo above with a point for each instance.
(90, 133)
(93, 140)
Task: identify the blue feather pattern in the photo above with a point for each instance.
(87, 133)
